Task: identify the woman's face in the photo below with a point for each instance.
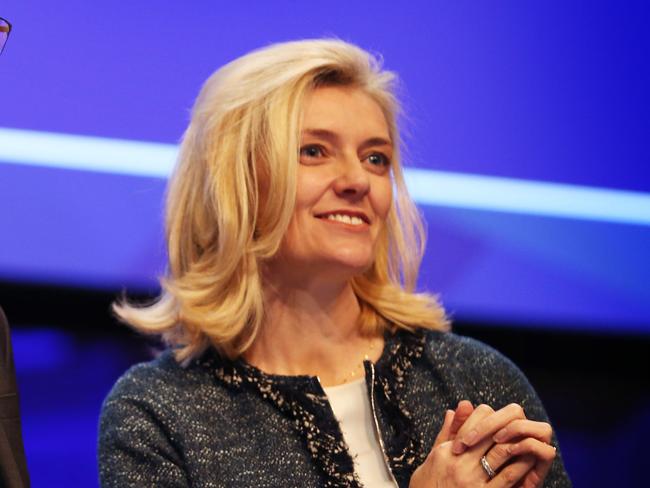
(344, 188)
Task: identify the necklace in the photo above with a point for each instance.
(354, 371)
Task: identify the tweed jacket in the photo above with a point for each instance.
(221, 423)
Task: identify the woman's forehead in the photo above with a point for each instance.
(336, 109)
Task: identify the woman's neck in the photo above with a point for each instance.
(313, 330)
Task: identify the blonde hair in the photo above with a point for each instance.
(242, 145)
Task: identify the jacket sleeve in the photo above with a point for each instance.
(13, 466)
(135, 449)
(501, 382)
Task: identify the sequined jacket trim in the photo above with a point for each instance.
(311, 415)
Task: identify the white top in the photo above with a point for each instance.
(351, 408)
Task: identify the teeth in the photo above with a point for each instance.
(346, 219)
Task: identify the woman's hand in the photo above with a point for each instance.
(467, 434)
(443, 468)
(514, 435)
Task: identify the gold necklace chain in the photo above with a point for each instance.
(351, 374)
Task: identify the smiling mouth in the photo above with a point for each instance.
(346, 219)
(356, 218)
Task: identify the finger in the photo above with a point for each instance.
(491, 424)
(539, 449)
(513, 473)
(500, 454)
(479, 413)
(544, 453)
(445, 430)
(462, 413)
(536, 476)
(524, 428)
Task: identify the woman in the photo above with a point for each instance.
(300, 354)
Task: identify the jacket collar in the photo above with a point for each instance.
(302, 400)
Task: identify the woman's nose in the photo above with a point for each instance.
(352, 179)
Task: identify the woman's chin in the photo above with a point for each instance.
(349, 265)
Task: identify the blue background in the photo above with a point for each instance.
(554, 92)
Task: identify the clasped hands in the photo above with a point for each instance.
(516, 449)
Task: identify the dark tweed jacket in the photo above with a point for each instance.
(218, 423)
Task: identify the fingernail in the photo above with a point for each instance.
(501, 435)
(458, 447)
(470, 437)
(514, 449)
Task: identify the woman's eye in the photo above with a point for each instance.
(378, 159)
(312, 151)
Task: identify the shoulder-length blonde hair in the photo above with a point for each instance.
(232, 193)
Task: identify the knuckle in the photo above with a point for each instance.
(517, 410)
(518, 425)
(483, 408)
(500, 451)
(509, 474)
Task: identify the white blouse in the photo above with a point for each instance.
(351, 407)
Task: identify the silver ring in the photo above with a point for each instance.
(487, 468)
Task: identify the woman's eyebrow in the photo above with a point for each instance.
(376, 141)
(334, 138)
(328, 135)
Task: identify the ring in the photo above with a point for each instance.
(487, 468)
